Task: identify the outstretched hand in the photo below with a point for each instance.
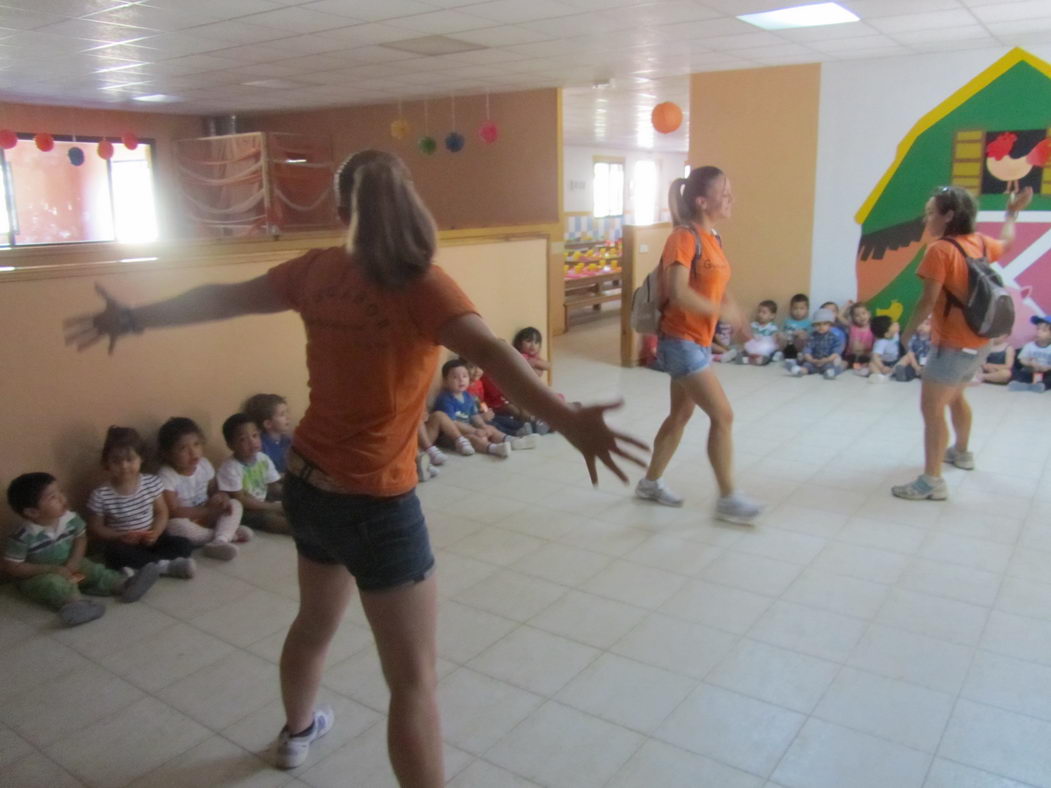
(1017, 201)
(84, 331)
(591, 436)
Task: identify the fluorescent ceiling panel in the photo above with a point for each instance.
(813, 15)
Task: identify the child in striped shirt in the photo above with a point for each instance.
(128, 513)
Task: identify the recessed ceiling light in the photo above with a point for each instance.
(158, 98)
(813, 15)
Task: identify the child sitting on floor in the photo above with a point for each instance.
(45, 555)
(504, 422)
(128, 513)
(823, 351)
(796, 329)
(763, 344)
(1035, 360)
(915, 359)
(462, 409)
(270, 414)
(886, 350)
(528, 342)
(197, 510)
(431, 426)
(722, 343)
(860, 339)
(839, 326)
(249, 476)
(999, 364)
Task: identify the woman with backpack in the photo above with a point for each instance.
(957, 349)
(693, 297)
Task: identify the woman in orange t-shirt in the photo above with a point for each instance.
(956, 351)
(375, 313)
(696, 297)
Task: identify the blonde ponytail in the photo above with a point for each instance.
(683, 194)
(680, 213)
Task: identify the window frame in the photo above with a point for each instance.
(609, 160)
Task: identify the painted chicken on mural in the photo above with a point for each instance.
(1009, 169)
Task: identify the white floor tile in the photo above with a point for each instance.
(36, 661)
(497, 546)
(637, 585)
(214, 762)
(841, 594)
(719, 606)
(464, 632)
(12, 746)
(534, 660)
(561, 747)
(996, 680)
(1025, 598)
(484, 775)
(864, 563)
(946, 619)
(660, 764)
(511, 595)
(782, 545)
(909, 656)
(567, 566)
(830, 756)
(588, 619)
(733, 729)
(966, 551)
(753, 573)
(477, 710)
(775, 675)
(809, 631)
(349, 640)
(455, 572)
(688, 649)
(883, 535)
(947, 774)
(37, 769)
(672, 554)
(1017, 636)
(164, 657)
(1000, 742)
(253, 617)
(952, 581)
(221, 694)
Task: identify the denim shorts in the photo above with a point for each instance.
(382, 541)
(951, 366)
(682, 357)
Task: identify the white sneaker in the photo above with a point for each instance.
(737, 508)
(796, 371)
(501, 450)
(437, 455)
(729, 355)
(830, 374)
(464, 446)
(525, 442)
(221, 551)
(778, 356)
(657, 491)
(878, 377)
(292, 751)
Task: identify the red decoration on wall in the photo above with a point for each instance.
(489, 132)
(131, 142)
(8, 139)
(44, 141)
(105, 149)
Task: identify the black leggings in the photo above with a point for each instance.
(136, 556)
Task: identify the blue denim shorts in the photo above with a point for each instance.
(951, 366)
(682, 357)
(382, 541)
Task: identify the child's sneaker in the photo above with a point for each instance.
(923, 488)
(525, 442)
(737, 508)
(501, 449)
(657, 491)
(432, 471)
(184, 568)
(1017, 385)
(862, 372)
(243, 534)
(437, 455)
(423, 466)
(220, 551)
(464, 447)
(964, 460)
(80, 611)
(796, 371)
(878, 377)
(541, 427)
(830, 374)
(292, 751)
(778, 356)
(729, 355)
(526, 429)
(139, 583)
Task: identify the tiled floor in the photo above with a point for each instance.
(588, 639)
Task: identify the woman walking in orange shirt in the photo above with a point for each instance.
(696, 272)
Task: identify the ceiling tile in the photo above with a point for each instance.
(744, 41)
(102, 32)
(931, 20)
(155, 18)
(866, 43)
(512, 11)
(828, 32)
(20, 19)
(506, 35)
(236, 31)
(441, 22)
(223, 9)
(299, 20)
(370, 10)
(1010, 12)
(965, 33)
(64, 7)
(873, 9)
(1017, 26)
(367, 34)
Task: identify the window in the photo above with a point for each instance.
(686, 170)
(46, 200)
(644, 191)
(608, 187)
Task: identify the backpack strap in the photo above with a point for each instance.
(950, 299)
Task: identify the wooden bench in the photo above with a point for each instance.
(591, 291)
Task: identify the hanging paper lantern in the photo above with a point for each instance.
(427, 145)
(454, 142)
(399, 129)
(76, 156)
(489, 132)
(8, 139)
(666, 117)
(131, 142)
(44, 141)
(105, 149)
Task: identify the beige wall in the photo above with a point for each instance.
(511, 182)
(760, 126)
(58, 403)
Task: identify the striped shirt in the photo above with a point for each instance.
(40, 544)
(127, 512)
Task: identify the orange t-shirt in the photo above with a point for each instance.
(943, 263)
(371, 358)
(713, 273)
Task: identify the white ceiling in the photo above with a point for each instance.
(223, 56)
(618, 115)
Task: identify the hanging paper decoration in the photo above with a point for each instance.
(105, 149)
(454, 142)
(76, 156)
(427, 145)
(399, 129)
(44, 141)
(666, 117)
(488, 131)
(8, 139)
(131, 142)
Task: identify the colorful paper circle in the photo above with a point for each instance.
(489, 132)
(76, 156)
(8, 139)
(131, 142)
(427, 145)
(105, 149)
(399, 129)
(454, 142)
(44, 141)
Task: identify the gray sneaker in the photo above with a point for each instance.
(181, 567)
(292, 751)
(221, 551)
(139, 583)
(1017, 385)
(830, 374)
(961, 459)
(657, 491)
(796, 371)
(80, 611)
(737, 508)
(923, 488)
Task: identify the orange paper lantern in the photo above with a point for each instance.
(8, 139)
(131, 142)
(105, 149)
(44, 141)
(666, 117)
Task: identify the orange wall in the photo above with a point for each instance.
(161, 128)
(511, 182)
(760, 126)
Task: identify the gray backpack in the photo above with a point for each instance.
(647, 302)
(988, 308)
